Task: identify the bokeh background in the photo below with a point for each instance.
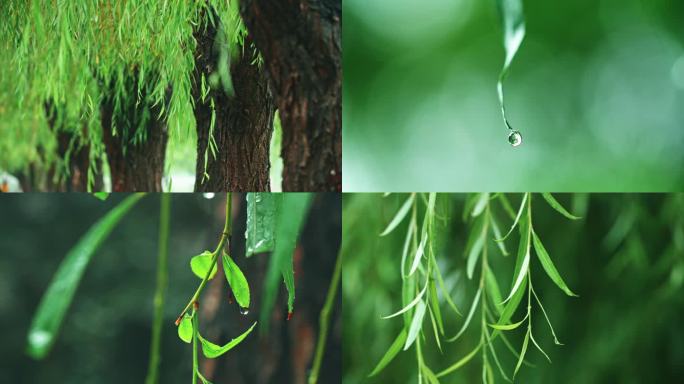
(597, 90)
(624, 258)
(106, 333)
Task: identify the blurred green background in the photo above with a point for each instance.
(624, 258)
(597, 90)
(106, 333)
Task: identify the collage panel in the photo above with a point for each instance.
(170, 288)
(513, 287)
(174, 96)
(593, 94)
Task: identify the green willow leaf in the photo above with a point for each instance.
(211, 350)
(391, 352)
(262, 213)
(463, 361)
(185, 328)
(558, 207)
(517, 217)
(292, 213)
(523, 258)
(237, 281)
(409, 305)
(416, 324)
(548, 265)
(493, 290)
(101, 195)
(513, 22)
(200, 265)
(522, 352)
(400, 215)
(475, 244)
(508, 327)
(434, 304)
(476, 301)
(56, 300)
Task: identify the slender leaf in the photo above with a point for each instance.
(548, 265)
(508, 327)
(236, 280)
(292, 213)
(410, 305)
(416, 324)
(517, 217)
(262, 213)
(473, 306)
(475, 244)
(522, 352)
(513, 22)
(463, 361)
(200, 265)
(56, 300)
(212, 350)
(558, 207)
(391, 352)
(400, 215)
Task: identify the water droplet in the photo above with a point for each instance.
(244, 311)
(209, 195)
(515, 138)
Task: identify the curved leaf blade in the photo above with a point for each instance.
(558, 207)
(548, 265)
(211, 350)
(200, 265)
(399, 217)
(57, 298)
(391, 353)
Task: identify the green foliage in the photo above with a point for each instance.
(291, 214)
(74, 55)
(57, 299)
(201, 264)
(513, 22)
(212, 350)
(421, 270)
(185, 328)
(262, 212)
(236, 280)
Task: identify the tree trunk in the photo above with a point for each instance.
(136, 152)
(243, 124)
(300, 41)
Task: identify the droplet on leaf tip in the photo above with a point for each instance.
(515, 138)
(244, 311)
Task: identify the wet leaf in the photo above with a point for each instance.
(262, 213)
(212, 350)
(237, 281)
(200, 265)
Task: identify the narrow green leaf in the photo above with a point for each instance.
(522, 352)
(514, 32)
(262, 213)
(236, 280)
(548, 265)
(212, 350)
(429, 375)
(291, 216)
(493, 290)
(473, 306)
(558, 207)
(418, 255)
(200, 265)
(59, 294)
(391, 352)
(434, 304)
(416, 324)
(435, 329)
(410, 305)
(442, 288)
(508, 327)
(497, 235)
(517, 217)
(523, 258)
(185, 328)
(475, 244)
(480, 205)
(400, 215)
(463, 361)
(539, 348)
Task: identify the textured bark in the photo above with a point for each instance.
(243, 125)
(300, 41)
(135, 165)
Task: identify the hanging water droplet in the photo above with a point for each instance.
(244, 311)
(209, 195)
(515, 138)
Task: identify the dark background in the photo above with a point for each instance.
(106, 333)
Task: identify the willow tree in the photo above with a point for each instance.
(120, 78)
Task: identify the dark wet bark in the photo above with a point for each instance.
(301, 45)
(243, 121)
